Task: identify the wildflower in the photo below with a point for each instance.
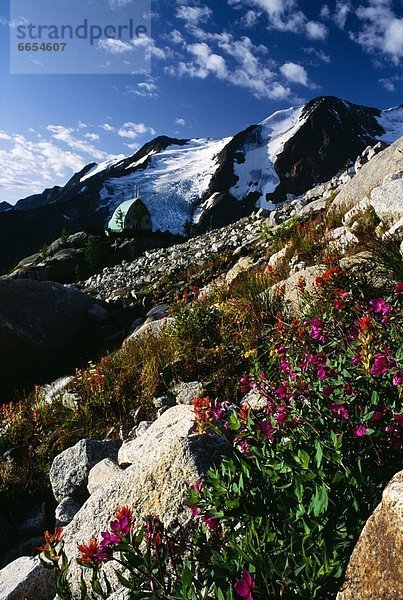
(213, 523)
(154, 531)
(397, 379)
(245, 384)
(380, 306)
(360, 431)
(282, 415)
(265, 428)
(245, 586)
(89, 554)
(124, 511)
(365, 323)
(51, 541)
(380, 365)
(316, 330)
(339, 411)
(399, 288)
(399, 420)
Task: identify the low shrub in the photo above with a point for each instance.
(280, 515)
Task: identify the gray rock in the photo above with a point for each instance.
(98, 313)
(185, 392)
(101, 474)
(26, 579)
(166, 460)
(376, 564)
(371, 175)
(387, 199)
(69, 470)
(158, 312)
(65, 511)
(142, 427)
(152, 328)
(33, 523)
(243, 265)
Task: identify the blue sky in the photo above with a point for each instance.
(217, 67)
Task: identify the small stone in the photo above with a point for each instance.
(65, 511)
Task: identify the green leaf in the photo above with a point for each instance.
(319, 453)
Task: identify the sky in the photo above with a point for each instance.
(216, 67)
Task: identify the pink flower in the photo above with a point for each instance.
(213, 523)
(339, 411)
(399, 420)
(399, 288)
(245, 586)
(266, 429)
(317, 326)
(338, 304)
(282, 415)
(360, 431)
(380, 306)
(380, 366)
(397, 379)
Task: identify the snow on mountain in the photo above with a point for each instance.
(103, 166)
(173, 182)
(256, 172)
(392, 122)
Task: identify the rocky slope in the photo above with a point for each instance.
(144, 473)
(195, 185)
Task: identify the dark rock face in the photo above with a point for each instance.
(5, 206)
(42, 327)
(335, 133)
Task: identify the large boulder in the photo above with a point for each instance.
(70, 469)
(26, 579)
(371, 175)
(164, 462)
(42, 326)
(288, 295)
(375, 570)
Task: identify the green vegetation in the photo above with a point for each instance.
(281, 513)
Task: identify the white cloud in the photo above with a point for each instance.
(282, 15)
(388, 85)
(381, 30)
(325, 12)
(295, 73)
(107, 127)
(145, 89)
(4, 136)
(318, 53)
(115, 46)
(176, 37)
(194, 15)
(133, 130)
(180, 121)
(94, 137)
(343, 9)
(316, 30)
(65, 135)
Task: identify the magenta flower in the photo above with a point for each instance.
(121, 527)
(399, 420)
(339, 411)
(213, 523)
(380, 306)
(245, 586)
(399, 288)
(105, 551)
(380, 366)
(397, 379)
(266, 429)
(282, 415)
(360, 431)
(316, 330)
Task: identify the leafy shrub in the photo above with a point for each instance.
(280, 514)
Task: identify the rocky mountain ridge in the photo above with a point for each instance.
(196, 185)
